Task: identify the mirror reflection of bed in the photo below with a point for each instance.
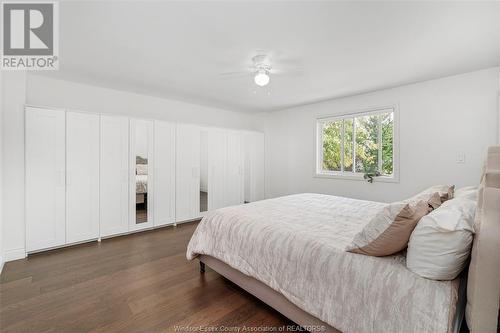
(141, 172)
(141, 190)
(203, 171)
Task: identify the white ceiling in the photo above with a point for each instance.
(178, 49)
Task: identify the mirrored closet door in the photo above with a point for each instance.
(141, 177)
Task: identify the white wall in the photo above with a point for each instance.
(20, 89)
(438, 120)
(43, 91)
(14, 96)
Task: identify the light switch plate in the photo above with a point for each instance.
(461, 158)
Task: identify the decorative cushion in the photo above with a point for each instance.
(388, 232)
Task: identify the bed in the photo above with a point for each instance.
(290, 253)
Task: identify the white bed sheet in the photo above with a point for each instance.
(295, 245)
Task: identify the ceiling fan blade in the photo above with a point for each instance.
(234, 75)
(289, 62)
(287, 71)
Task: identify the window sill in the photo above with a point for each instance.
(358, 177)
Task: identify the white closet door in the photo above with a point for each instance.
(254, 166)
(217, 147)
(187, 172)
(45, 178)
(82, 176)
(164, 151)
(114, 183)
(247, 153)
(234, 169)
(141, 174)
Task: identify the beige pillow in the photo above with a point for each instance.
(389, 231)
(433, 199)
(445, 192)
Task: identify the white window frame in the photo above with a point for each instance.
(351, 175)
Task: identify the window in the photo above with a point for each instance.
(355, 144)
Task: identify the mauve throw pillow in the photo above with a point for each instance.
(389, 231)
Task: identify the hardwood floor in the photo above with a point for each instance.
(134, 283)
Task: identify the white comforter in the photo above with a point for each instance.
(295, 245)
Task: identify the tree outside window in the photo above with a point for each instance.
(358, 144)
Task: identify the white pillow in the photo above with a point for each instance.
(469, 192)
(440, 244)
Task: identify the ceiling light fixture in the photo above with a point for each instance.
(261, 78)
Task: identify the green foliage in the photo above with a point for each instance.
(332, 145)
(349, 144)
(387, 123)
(366, 156)
(366, 144)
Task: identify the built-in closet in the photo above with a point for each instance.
(114, 175)
(45, 178)
(254, 166)
(82, 176)
(234, 191)
(92, 176)
(164, 172)
(216, 168)
(187, 172)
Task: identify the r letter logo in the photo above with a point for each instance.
(30, 36)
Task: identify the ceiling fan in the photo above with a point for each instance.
(261, 70)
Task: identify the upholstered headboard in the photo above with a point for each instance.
(483, 287)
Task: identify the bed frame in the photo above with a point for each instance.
(479, 290)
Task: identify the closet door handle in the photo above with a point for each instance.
(61, 178)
